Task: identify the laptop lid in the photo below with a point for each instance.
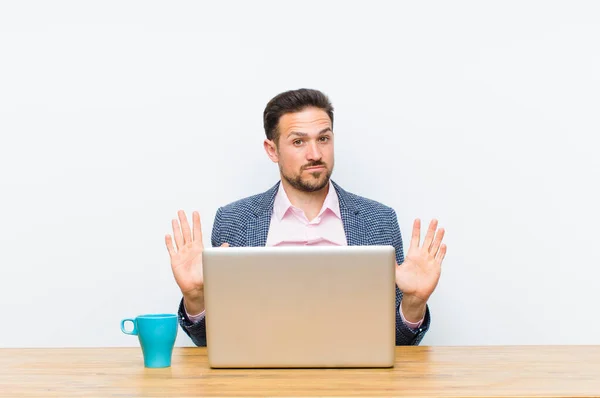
(300, 306)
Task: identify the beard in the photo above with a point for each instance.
(314, 182)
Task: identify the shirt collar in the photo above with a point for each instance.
(282, 203)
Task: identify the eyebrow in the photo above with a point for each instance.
(325, 130)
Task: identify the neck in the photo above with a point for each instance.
(310, 202)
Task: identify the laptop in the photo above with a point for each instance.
(300, 306)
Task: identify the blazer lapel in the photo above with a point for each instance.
(354, 224)
(257, 227)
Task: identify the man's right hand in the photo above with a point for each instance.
(186, 257)
(186, 260)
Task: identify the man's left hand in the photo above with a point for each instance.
(418, 276)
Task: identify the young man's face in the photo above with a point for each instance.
(304, 150)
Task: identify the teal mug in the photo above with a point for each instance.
(156, 333)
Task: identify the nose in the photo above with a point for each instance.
(312, 152)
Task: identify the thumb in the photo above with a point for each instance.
(225, 244)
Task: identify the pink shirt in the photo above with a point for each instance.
(290, 227)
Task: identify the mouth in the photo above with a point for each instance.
(315, 168)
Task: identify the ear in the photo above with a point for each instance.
(271, 150)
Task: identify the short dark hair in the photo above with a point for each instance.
(293, 101)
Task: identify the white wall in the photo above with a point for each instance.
(115, 114)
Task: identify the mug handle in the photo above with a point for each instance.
(133, 332)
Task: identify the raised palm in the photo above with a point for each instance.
(420, 272)
(186, 257)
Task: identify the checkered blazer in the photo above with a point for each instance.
(246, 223)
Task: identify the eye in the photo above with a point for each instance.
(297, 142)
(324, 138)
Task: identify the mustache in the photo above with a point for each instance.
(314, 164)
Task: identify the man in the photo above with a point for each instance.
(307, 208)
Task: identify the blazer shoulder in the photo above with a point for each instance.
(241, 208)
(369, 206)
(247, 207)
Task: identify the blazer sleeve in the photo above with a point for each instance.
(197, 331)
(404, 334)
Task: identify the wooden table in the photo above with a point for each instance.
(540, 371)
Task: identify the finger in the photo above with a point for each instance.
(440, 255)
(197, 226)
(170, 247)
(416, 234)
(177, 234)
(430, 234)
(185, 227)
(225, 244)
(437, 241)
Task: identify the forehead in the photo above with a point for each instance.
(306, 121)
